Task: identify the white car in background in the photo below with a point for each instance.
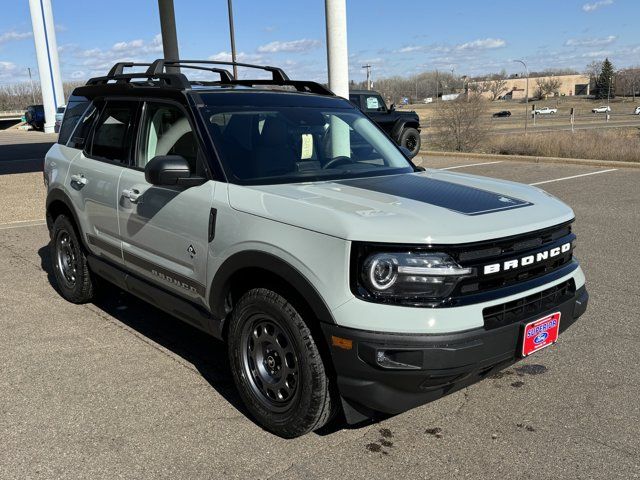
(545, 111)
(637, 111)
(59, 117)
(602, 109)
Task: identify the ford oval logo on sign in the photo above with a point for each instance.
(541, 337)
(540, 333)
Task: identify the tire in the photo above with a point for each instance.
(277, 367)
(410, 139)
(69, 263)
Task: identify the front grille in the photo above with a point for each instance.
(497, 251)
(526, 307)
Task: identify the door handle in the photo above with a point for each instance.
(79, 179)
(133, 195)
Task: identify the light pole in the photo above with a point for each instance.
(609, 97)
(233, 38)
(33, 92)
(368, 67)
(526, 98)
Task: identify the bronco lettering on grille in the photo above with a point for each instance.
(528, 260)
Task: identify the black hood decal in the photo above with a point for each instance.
(453, 196)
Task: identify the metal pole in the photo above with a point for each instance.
(526, 100)
(168, 31)
(233, 38)
(44, 37)
(368, 67)
(437, 80)
(337, 56)
(33, 92)
(609, 97)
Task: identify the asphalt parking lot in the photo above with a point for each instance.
(119, 389)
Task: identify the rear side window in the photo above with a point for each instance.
(112, 134)
(76, 107)
(374, 103)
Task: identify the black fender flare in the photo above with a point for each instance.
(274, 265)
(59, 195)
(400, 125)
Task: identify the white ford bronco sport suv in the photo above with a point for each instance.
(278, 218)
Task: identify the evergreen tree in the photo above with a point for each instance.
(605, 81)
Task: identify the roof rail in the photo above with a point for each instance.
(158, 66)
(156, 74)
(171, 80)
(118, 68)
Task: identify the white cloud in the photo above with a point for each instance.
(8, 71)
(482, 44)
(13, 35)
(302, 45)
(591, 7)
(224, 56)
(590, 42)
(78, 74)
(99, 60)
(409, 49)
(7, 66)
(596, 54)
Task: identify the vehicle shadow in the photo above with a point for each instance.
(23, 157)
(201, 350)
(207, 354)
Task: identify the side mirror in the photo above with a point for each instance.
(392, 107)
(166, 170)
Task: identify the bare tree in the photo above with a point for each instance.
(497, 87)
(460, 125)
(547, 86)
(18, 96)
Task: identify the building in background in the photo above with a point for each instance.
(514, 88)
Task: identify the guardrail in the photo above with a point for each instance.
(12, 114)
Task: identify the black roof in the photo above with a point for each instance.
(165, 75)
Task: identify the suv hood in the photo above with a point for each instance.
(432, 207)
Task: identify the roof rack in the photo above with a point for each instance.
(158, 74)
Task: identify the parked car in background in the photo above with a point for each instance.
(503, 113)
(34, 115)
(602, 109)
(637, 111)
(59, 116)
(402, 127)
(545, 111)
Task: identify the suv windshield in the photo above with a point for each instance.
(285, 144)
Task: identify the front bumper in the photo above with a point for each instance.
(441, 363)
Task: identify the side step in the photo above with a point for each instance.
(185, 310)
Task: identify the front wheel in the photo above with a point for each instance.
(410, 139)
(276, 365)
(70, 266)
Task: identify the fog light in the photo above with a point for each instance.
(399, 359)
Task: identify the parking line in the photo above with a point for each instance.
(575, 176)
(21, 224)
(471, 165)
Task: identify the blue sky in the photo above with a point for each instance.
(395, 37)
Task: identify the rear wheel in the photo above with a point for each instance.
(277, 366)
(69, 262)
(410, 139)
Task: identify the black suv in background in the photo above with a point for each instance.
(402, 127)
(34, 115)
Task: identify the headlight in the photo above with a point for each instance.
(412, 276)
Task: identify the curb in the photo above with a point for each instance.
(532, 159)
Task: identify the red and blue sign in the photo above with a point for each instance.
(540, 333)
